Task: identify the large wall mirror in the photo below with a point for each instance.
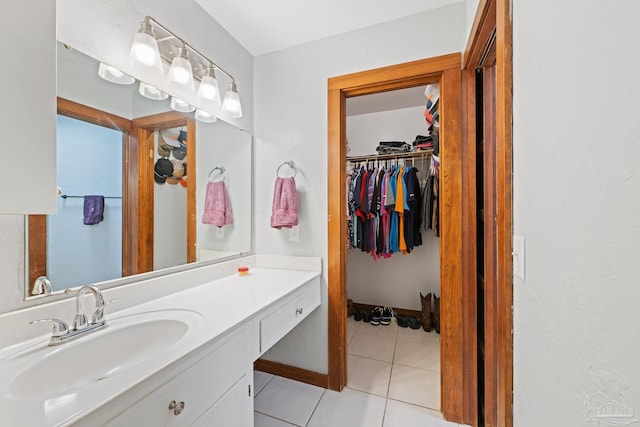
(118, 213)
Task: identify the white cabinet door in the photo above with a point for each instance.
(28, 107)
(234, 409)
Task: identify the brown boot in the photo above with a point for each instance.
(425, 318)
(436, 313)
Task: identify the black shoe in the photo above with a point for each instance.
(358, 316)
(387, 315)
(376, 316)
(366, 317)
(403, 321)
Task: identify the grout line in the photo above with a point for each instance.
(315, 407)
(276, 418)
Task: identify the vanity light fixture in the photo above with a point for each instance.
(209, 92)
(231, 105)
(151, 92)
(181, 106)
(180, 73)
(205, 117)
(114, 75)
(186, 64)
(144, 53)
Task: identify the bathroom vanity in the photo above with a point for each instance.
(180, 358)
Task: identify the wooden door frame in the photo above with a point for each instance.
(142, 135)
(458, 357)
(493, 26)
(37, 224)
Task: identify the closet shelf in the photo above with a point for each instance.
(409, 155)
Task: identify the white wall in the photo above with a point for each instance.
(290, 123)
(396, 281)
(576, 186)
(472, 8)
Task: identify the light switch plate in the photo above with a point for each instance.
(519, 257)
(294, 234)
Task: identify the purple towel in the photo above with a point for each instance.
(93, 209)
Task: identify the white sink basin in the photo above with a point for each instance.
(125, 343)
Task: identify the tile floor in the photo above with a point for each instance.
(388, 369)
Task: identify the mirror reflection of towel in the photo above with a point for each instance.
(93, 209)
(217, 206)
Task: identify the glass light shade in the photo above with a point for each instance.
(208, 92)
(231, 105)
(114, 75)
(180, 74)
(181, 106)
(144, 54)
(205, 117)
(151, 92)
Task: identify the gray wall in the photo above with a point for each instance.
(576, 127)
(290, 123)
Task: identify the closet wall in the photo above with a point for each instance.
(396, 281)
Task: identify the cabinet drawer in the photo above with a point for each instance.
(277, 324)
(198, 387)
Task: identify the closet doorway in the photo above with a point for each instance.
(458, 303)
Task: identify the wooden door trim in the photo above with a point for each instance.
(143, 130)
(457, 357)
(493, 19)
(38, 223)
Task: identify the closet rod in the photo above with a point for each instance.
(409, 155)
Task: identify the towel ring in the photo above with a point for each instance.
(219, 169)
(289, 163)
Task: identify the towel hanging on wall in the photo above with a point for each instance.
(93, 209)
(217, 205)
(284, 210)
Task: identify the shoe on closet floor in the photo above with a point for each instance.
(387, 315)
(413, 321)
(376, 316)
(358, 316)
(403, 321)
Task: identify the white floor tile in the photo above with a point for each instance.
(388, 331)
(349, 408)
(260, 379)
(400, 414)
(373, 347)
(418, 335)
(417, 386)
(352, 327)
(418, 355)
(288, 400)
(261, 420)
(368, 375)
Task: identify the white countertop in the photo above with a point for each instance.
(223, 303)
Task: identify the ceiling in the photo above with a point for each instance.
(384, 101)
(266, 26)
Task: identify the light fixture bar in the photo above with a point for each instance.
(151, 21)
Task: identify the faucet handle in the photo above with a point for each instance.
(59, 327)
(98, 315)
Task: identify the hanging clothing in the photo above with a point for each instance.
(284, 209)
(217, 205)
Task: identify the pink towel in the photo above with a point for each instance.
(284, 211)
(217, 206)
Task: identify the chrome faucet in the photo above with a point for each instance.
(61, 331)
(80, 320)
(41, 285)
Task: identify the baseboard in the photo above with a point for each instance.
(292, 373)
(401, 311)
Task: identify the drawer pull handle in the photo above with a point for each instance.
(298, 310)
(176, 407)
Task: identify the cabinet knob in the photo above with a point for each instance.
(176, 407)
(299, 310)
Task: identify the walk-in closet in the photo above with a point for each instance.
(393, 260)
